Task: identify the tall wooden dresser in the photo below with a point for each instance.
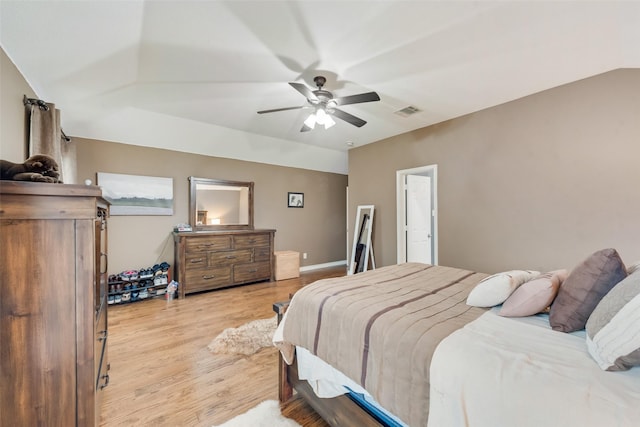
(208, 260)
(53, 310)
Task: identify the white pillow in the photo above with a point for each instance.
(496, 289)
(613, 329)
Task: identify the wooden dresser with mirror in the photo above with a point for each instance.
(53, 307)
(223, 249)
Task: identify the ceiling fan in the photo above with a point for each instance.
(325, 104)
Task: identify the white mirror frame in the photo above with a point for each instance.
(362, 248)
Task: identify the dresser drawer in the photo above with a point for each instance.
(208, 278)
(262, 253)
(229, 257)
(251, 241)
(196, 260)
(207, 243)
(251, 272)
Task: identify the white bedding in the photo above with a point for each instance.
(507, 372)
(325, 380)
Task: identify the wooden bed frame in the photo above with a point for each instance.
(337, 411)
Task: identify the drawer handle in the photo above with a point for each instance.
(196, 261)
(231, 256)
(255, 270)
(105, 377)
(106, 262)
(207, 245)
(208, 277)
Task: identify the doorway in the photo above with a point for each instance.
(417, 215)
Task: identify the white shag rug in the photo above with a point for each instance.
(266, 414)
(246, 339)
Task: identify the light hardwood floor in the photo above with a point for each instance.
(162, 373)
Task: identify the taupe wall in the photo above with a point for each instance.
(13, 142)
(540, 182)
(135, 242)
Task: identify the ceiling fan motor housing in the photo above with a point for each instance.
(319, 81)
(324, 98)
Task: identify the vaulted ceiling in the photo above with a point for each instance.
(191, 75)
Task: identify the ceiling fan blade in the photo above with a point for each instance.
(308, 93)
(305, 128)
(280, 109)
(350, 118)
(357, 99)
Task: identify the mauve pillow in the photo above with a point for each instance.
(534, 296)
(584, 288)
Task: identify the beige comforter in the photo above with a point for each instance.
(381, 327)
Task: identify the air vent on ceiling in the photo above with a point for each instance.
(407, 111)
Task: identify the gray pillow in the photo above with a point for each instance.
(613, 329)
(583, 289)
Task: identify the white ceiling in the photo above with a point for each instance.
(190, 75)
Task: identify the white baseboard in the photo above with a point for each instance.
(325, 265)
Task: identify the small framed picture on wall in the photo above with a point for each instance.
(295, 200)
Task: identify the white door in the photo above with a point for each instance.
(418, 224)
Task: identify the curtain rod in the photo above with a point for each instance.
(44, 107)
(35, 101)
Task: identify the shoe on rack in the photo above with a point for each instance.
(164, 266)
(146, 273)
(160, 280)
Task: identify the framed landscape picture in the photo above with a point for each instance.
(136, 194)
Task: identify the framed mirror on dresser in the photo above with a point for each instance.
(224, 249)
(216, 204)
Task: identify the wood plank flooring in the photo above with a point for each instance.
(162, 373)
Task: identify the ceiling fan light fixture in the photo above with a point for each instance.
(328, 122)
(311, 121)
(321, 116)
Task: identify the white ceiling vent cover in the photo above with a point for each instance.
(407, 111)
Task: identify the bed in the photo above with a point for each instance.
(400, 346)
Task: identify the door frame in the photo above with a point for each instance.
(401, 210)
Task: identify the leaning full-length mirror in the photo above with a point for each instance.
(216, 204)
(362, 250)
